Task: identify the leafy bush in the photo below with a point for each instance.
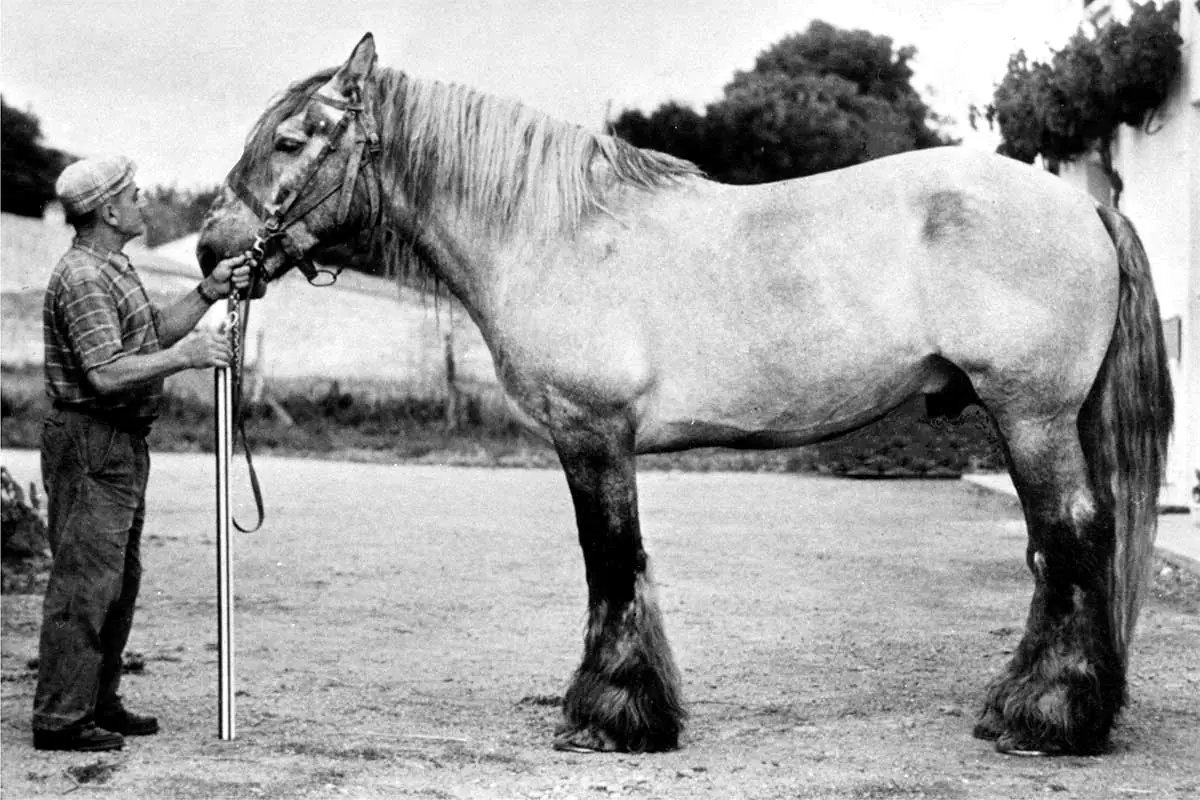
(25, 554)
(1094, 84)
(1140, 61)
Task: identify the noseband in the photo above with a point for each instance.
(285, 221)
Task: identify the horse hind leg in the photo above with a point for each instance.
(1065, 683)
(625, 694)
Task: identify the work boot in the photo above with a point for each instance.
(121, 721)
(87, 739)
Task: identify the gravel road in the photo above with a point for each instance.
(406, 631)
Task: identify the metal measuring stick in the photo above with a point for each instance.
(223, 391)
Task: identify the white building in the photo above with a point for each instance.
(1161, 174)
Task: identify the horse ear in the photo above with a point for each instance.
(353, 75)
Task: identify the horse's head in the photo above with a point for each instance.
(307, 184)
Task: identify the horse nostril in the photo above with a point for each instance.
(207, 259)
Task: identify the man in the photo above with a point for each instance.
(108, 349)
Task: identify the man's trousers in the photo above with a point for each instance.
(95, 476)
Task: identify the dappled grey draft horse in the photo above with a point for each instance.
(632, 306)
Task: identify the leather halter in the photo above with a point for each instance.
(283, 223)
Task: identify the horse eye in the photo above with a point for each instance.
(287, 144)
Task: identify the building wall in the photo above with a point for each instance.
(1161, 173)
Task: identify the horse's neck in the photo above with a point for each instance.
(466, 257)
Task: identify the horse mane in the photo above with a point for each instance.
(516, 169)
(503, 161)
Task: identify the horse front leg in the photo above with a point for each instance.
(625, 694)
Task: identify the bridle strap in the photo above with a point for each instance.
(246, 196)
(352, 167)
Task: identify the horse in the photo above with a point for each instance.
(632, 305)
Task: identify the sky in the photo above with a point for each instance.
(177, 84)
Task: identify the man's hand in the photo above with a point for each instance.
(232, 272)
(206, 348)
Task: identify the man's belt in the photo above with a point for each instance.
(114, 418)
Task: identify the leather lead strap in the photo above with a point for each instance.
(239, 417)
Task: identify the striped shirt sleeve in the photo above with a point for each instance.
(93, 323)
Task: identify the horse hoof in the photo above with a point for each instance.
(1024, 753)
(584, 740)
(1010, 745)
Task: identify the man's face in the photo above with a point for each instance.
(124, 211)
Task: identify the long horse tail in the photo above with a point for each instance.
(1125, 425)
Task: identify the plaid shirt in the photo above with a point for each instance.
(97, 311)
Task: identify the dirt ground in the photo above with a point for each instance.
(407, 632)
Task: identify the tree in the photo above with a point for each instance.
(863, 58)
(29, 168)
(1074, 104)
(1140, 61)
(1017, 108)
(818, 100)
(671, 128)
(774, 126)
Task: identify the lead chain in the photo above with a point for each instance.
(232, 322)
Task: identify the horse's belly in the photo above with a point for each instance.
(684, 435)
(755, 414)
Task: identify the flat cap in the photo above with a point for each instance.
(85, 185)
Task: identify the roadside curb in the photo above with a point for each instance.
(1178, 534)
